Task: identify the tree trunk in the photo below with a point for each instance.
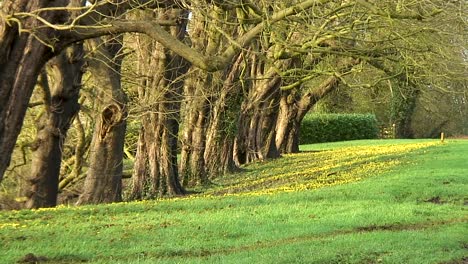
(287, 125)
(103, 182)
(256, 131)
(197, 108)
(162, 92)
(140, 180)
(222, 129)
(403, 106)
(22, 56)
(65, 72)
(201, 94)
(293, 108)
(256, 136)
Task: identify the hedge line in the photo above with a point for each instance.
(317, 128)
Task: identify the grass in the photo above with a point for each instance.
(350, 202)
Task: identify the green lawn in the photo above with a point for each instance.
(348, 202)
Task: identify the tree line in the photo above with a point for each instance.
(199, 88)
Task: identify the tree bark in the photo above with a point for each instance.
(61, 100)
(22, 56)
(293, 108)
(403, 107)
(160, 127)
(140, 180)
(201, 91)
(222, 128)
(198, 91)
(103, 182)
(287, 125)
(256, 135)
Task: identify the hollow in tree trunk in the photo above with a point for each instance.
(103, 182)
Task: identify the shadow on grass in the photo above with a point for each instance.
(194, 253)
(68, 258)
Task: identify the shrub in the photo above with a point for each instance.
(317, 128)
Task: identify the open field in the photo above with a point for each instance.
(376, 201)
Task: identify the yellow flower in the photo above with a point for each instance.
(320, 169)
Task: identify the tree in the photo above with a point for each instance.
(404, 52)
(17, 82)
(31, 33)
(104, 176)
(61, 106)
(34, 32)
(161, 91)
(205, 93)
(242, 56)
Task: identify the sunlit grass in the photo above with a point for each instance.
(312, 170)
(410, 210)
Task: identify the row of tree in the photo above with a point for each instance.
(222, 83)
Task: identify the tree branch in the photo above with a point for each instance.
(374, 9)
(155, 31)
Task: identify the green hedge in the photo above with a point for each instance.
(317, 128)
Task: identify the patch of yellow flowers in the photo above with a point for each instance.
(306, 171)
(303, 171)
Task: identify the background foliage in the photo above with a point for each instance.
(317, 128)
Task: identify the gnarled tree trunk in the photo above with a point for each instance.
(61, 106)
(160, 127)
(201, 93)
(197, 93)
(222, 128)
(293, 108)
(22, 56)
(256, 135)
(103, 182)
